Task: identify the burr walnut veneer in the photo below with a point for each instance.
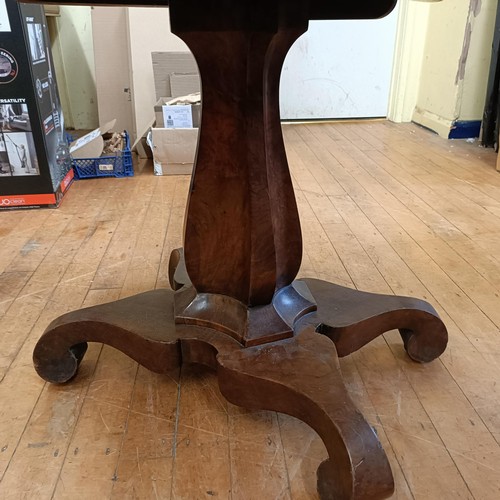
(236, 305)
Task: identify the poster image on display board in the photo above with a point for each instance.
(17, 147)
(14, 116)
(36, 42)
(17, 154)
(8, 66)
(4, 18)
(49, 105)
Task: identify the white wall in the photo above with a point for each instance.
(149, 31)
(74, 57)
(340, 69)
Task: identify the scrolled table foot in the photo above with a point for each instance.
(427, 340)
(141, 326)
(328, 485)
(301, 377)
(352, 319)
(57, 363)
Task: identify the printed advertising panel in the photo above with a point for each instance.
(35, 166)
(4, 17)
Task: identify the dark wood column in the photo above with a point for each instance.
(248, 243)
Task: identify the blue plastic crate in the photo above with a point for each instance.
(117, 165)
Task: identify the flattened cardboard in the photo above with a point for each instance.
(91, 145)
(184, 83)
(167, 63)
(141, 146)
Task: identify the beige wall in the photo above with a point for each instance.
(109, 28)
(455, 65)
(149, 31)
(124, 39)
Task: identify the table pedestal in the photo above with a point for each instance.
(235, 304)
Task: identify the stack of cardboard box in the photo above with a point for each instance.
(174, 136)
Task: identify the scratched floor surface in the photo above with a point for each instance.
(385, 208)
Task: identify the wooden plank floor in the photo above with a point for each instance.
(385, 208)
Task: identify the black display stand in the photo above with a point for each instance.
(35, 168)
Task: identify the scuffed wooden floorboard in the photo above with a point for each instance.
(385, 207)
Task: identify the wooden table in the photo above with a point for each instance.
(235, 304)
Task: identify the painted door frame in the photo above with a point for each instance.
(409, 52)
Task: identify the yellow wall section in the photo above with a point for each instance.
(478, 62)
(75, 64)
(455, 65)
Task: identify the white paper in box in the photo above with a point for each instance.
(177, 116)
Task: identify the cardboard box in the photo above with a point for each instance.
(174, 150)
(35, 167)
(194, 111)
